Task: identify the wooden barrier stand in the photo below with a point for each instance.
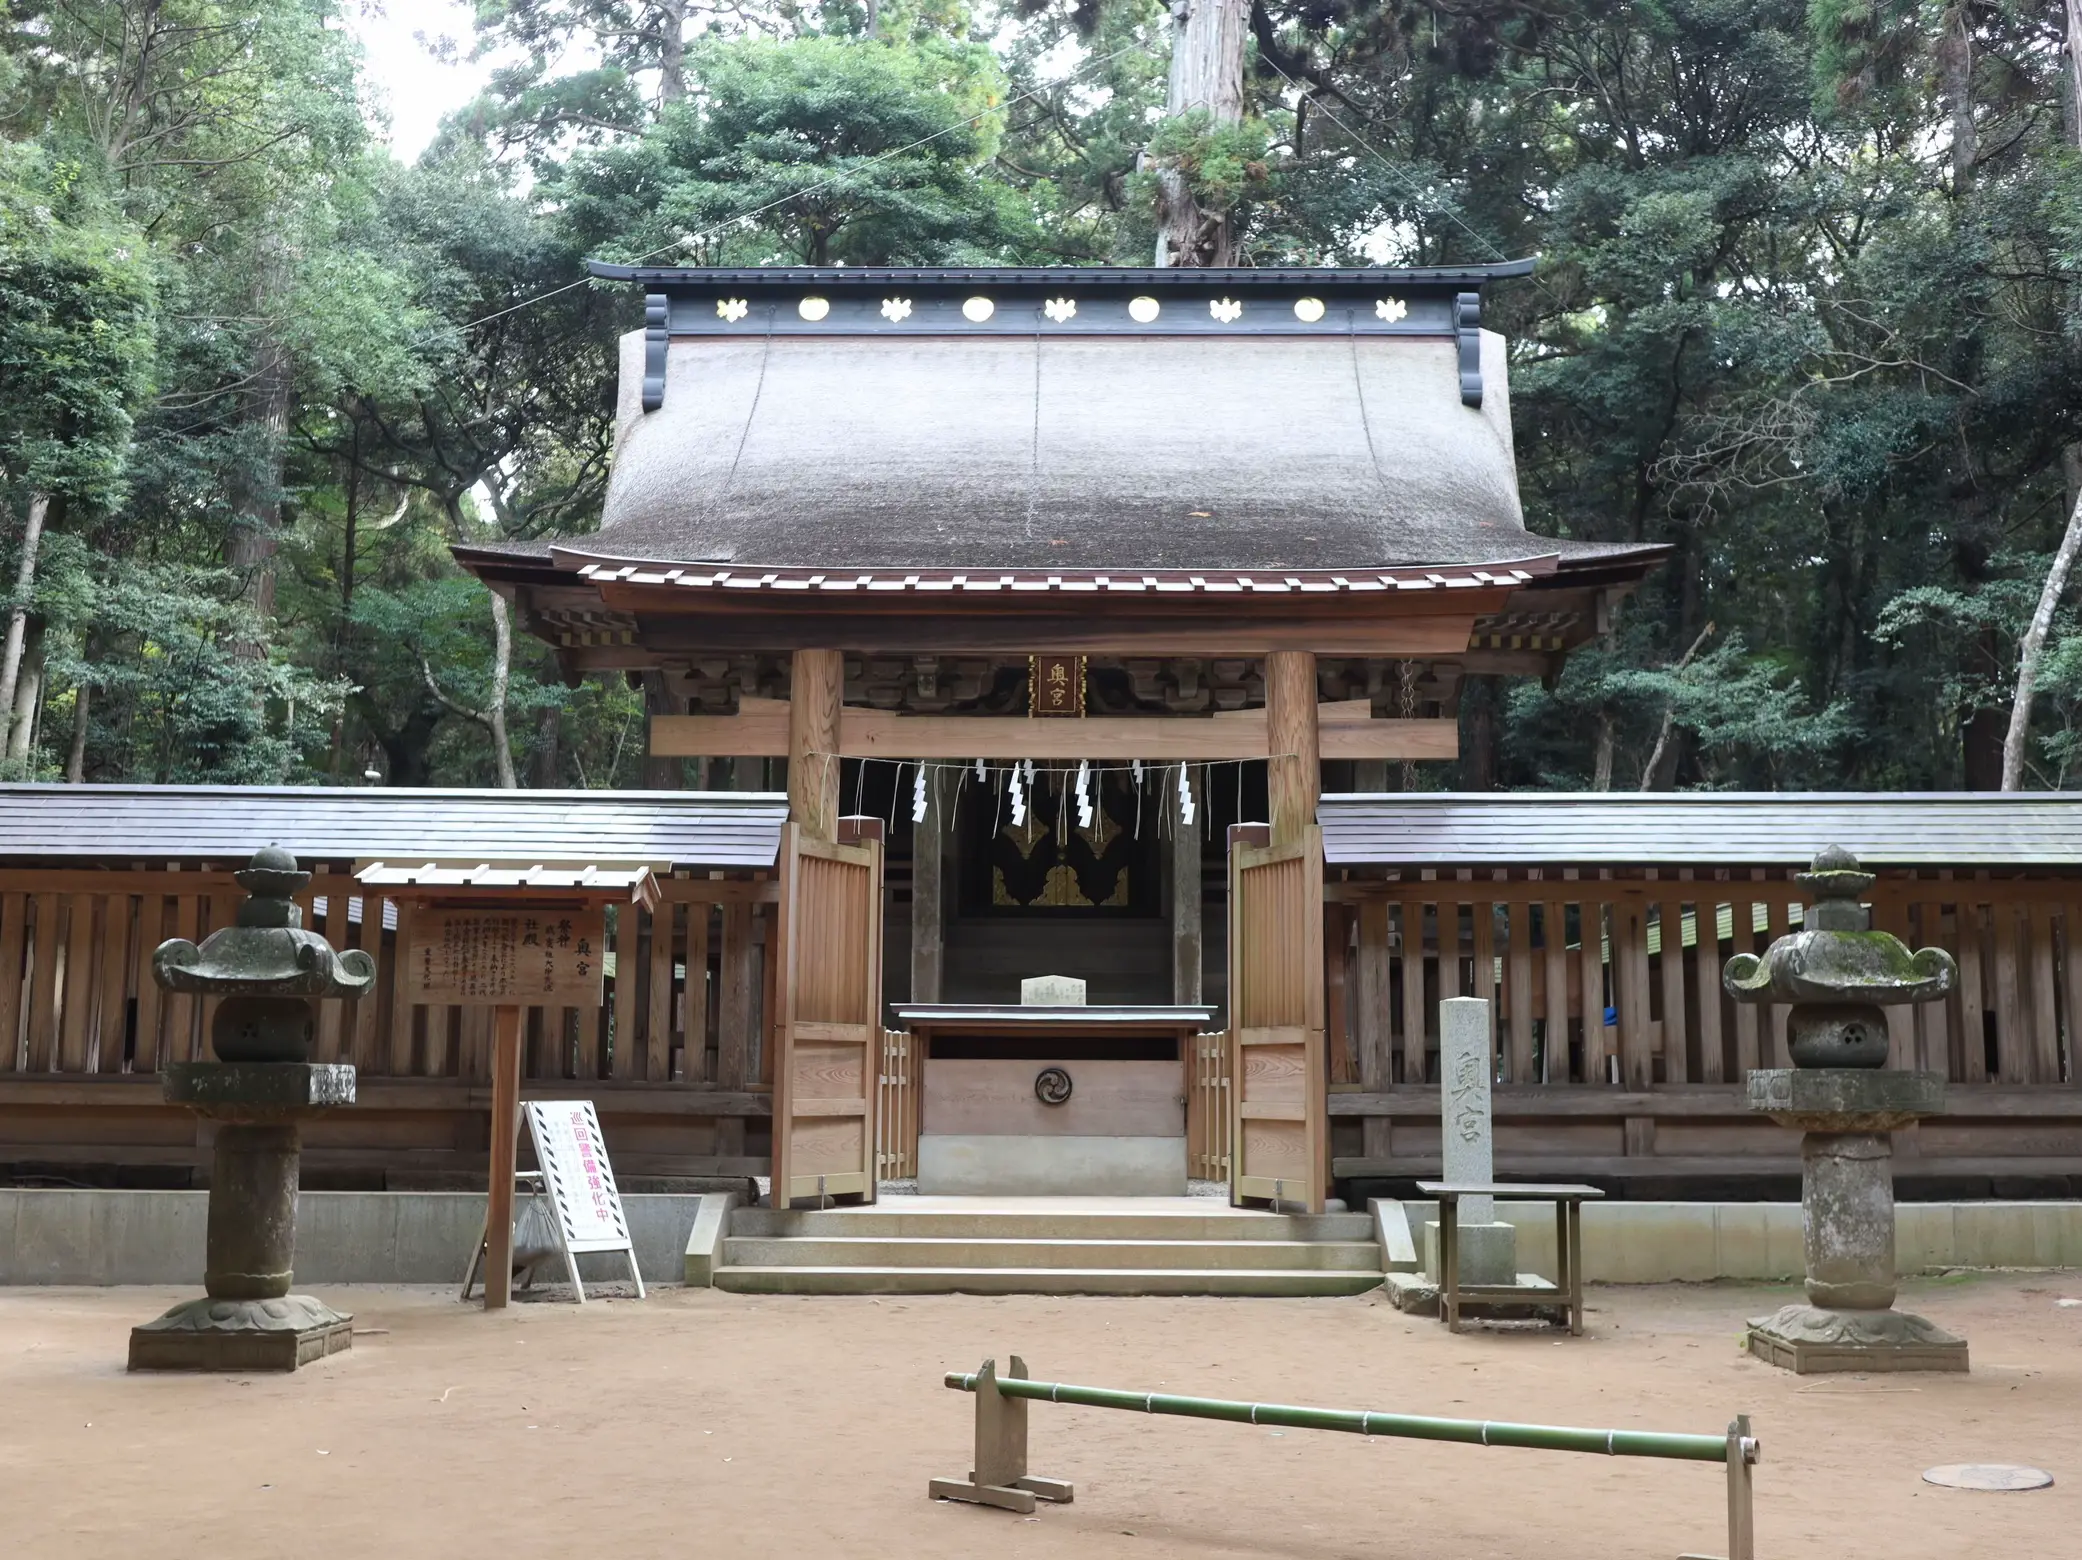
(500, 938)
(1000, 1477)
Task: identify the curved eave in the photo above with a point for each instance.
(990, 588)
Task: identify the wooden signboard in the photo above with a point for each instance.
(534, 955)
(509, 937)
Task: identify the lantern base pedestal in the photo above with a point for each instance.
(1810, 1341)
(241, 1335)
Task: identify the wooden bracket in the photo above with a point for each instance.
(1467, 331)
(657, 342)
(1743, 1454)
(1000, 1476)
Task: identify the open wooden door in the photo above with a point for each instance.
(828, 1033)
(1279, 1088)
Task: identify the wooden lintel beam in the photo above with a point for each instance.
(761, 731)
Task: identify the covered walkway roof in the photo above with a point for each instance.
(1960, 829)
(225, 824)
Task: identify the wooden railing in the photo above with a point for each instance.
(896, 1115)
(1588, 985)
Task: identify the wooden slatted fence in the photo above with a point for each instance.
(683, 1012)
(1589, 987)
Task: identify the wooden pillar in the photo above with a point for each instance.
(498, 1207)
(1376, 1031)
(816, 687)
(1294, 773)
(1187, 948)
(736, 1000)
(928, 900)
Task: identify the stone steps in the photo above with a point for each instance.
(1096, 1246)
(968, 1251)
(1288, 1282)
(1168, 1221)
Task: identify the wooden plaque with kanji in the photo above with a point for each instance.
(1055, 684)
(533, 957)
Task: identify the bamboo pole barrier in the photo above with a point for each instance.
(1000, 1476)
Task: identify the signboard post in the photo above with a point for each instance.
(508, 938)
(585, 1207)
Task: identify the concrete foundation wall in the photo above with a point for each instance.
(119, 1237)
(1671, 1242)
(124, 1237)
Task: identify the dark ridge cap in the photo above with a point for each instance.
(1241, 277)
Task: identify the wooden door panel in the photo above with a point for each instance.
(1279, 1096)
(829, 1027)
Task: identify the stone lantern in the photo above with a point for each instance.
(1837, 972)
(268, 974)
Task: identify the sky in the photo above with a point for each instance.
(416, 88)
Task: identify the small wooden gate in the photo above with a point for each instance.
(1278, 1084)
(829, 1020)
(896, 1117)
(1207, 1106)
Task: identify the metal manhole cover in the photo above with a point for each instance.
(1987, 1476)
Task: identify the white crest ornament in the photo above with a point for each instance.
(894, 309)
(813, 309)
(1308, 310)
(1060, 309)
(1390, 309)
(977, 310)
(1227, 310)
(732, 309)
(1144, 310)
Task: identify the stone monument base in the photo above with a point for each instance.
(1809, 1341)
(1417, 1294)
(1488, 1253)
(233, 1335)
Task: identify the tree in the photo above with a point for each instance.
(76, 321)
(818, 150)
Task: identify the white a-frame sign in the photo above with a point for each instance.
(585, 1209)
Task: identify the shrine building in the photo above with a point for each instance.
(1076, 586)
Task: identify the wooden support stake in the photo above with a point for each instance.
(999, 1477)
(1518, 983)
(1591, 957)
(498, 1208)
(1554, 955)
(1706, 972)
(1414, 1006)
(1676, 1068)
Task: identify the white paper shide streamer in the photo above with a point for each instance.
(1186, 808)
(1085, 810)
(918, 796)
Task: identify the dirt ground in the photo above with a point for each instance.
(703, 1423)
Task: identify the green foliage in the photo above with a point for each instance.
(194, 710)
(1223, 165)
(1775, 329)
(816, 151)
(76, 327)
